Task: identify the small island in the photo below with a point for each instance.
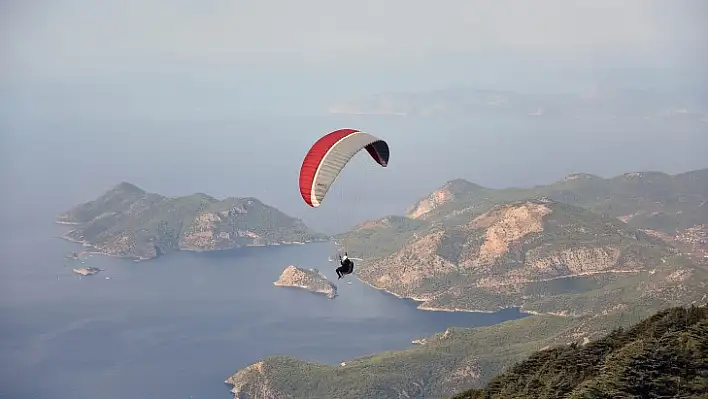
(86, 271)
(308, 279)
(129, 222)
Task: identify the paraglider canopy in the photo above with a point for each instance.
(329, 155)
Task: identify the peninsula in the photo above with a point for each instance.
(129, 222)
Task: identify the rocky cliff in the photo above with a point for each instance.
(531, 254)
(453, 191)
(129, 222)
(253, 379)
(308, 279)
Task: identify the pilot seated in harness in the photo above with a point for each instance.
(347, 266)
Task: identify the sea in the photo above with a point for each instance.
(179, 325)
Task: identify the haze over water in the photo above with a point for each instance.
(78, 159)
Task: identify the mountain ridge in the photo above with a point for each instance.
(660, 204)
(576, 188)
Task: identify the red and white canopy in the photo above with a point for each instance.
(329, 155)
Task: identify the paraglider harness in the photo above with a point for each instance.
(347, 266)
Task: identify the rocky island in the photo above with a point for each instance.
(308, 279)
(584, 255)
(129, 222)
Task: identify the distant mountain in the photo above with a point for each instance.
(126, 221)
(665, 356)
(651, 200)
(601, 101)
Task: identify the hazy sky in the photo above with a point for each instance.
(77, 40)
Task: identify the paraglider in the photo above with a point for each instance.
(347, 266)
(329, 155)
(326, 159)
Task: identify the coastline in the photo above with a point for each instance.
(94, 251)
(306, 288)
(273, 244)
(434, 309)
(421, 301)
(67, 223)
(421, 305)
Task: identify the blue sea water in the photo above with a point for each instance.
(177, 326)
